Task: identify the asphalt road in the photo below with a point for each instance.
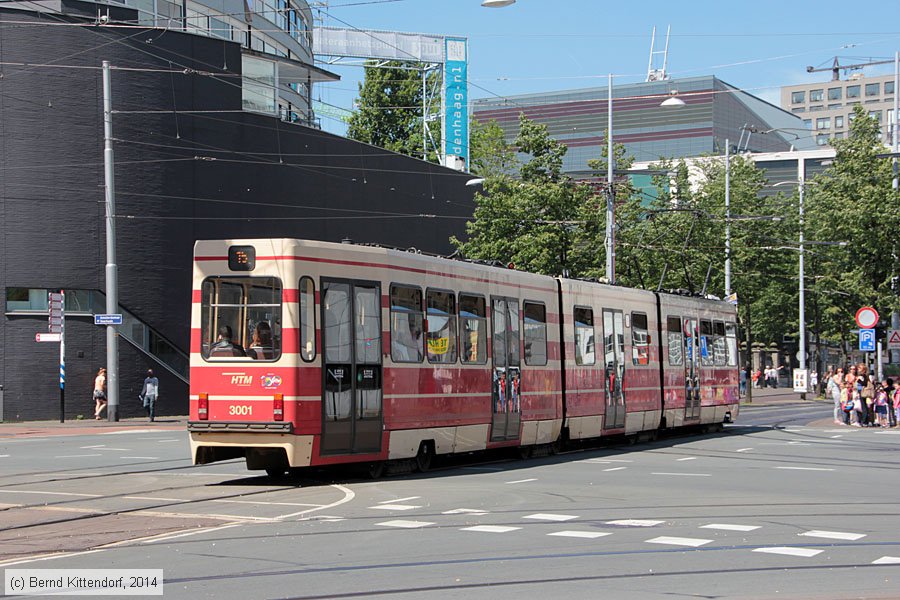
(782, 504)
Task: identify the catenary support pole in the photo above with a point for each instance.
(894, 355)
(611, 192)
(727, 219)
(112, 282)
(801, 353)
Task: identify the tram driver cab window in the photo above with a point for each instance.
(241, 318)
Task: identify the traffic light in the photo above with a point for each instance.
(881, 329)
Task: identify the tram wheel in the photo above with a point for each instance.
(375, 470)
(276, 472)
(424, 456)
(526, 452)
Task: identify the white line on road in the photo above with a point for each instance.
(743, 449)
(262, 502)
(155, 498)
(887, 560)
(490, 528)
(581, 534)
(49, 493)
(833, 535)
(394, 507)
(550, 517)
(405, 524)
(400, 500)
(686, 458)
(804, 469)
(165, 441)
(4, 455)
(523, 480)
(679, 541)
(466, 511)
(730, 527)
(634, 522)
(685, 474)
(615, 469)
(834, 437)
(76, 455)
(104, 447)
(798, 444)
(167, 537)
(608, 460)
(805, 552)
(348, 496)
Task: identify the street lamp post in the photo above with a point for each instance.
(727, 220)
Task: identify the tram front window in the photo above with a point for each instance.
(241, 318)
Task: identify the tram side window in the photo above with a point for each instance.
(441, 338)
(584, 336)
(720, 353)
(640, 339)
(406, 324)
(706, 343)
(241, 318)
(731, 343)
(307, 319)
(473, 329)
(675, 340)
(535, 334)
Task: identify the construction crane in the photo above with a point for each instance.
(836, 67)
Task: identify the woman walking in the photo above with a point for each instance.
(835, 382)
(99, 393)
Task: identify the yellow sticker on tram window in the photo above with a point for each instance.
(438, 345)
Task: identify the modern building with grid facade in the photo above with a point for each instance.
(714, 112)
(826, 108)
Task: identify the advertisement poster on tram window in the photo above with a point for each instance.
(801, 380)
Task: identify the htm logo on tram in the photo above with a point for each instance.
(241, 379)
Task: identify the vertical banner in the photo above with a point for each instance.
(456, 100)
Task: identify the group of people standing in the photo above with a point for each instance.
(860, 401)
(149, 394)
(766, 378)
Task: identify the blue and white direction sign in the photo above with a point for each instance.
(107, 319)
(867, 340)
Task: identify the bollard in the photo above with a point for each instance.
(1, 403)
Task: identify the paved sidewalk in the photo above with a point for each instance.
(89, 427)
(780, 395)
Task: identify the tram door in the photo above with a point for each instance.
(614, 368)
(691, 370)
(506, 395)
(351, 340)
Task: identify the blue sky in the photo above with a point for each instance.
(548, 45)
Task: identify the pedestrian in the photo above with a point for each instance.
(149, 394)
(743, 382)
(881, 405)
(757, 378)
(866, 388)
(100, 400)
(890, 391)
(896, 396)
(833, 388)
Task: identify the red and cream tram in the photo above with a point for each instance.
(312, 353)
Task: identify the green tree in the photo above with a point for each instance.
(853, 202)
(389, 113)
(491, 155)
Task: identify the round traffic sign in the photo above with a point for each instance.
(866, 317)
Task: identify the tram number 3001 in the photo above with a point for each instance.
(240, 410)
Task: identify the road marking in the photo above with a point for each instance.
(394, 507)
(634, 523)
(615, 469)
(468, 511)
(550, 517)
(490, 528)
(104, 447)
(804, 469)
(165, 441)
(685, 474)
(155, 498)
(4, 455)
(730, 527)
(608, 460)
(834, 437)
(76, 455)
(405, 524)
(262, 502)
(806, 552)
(743, 449)
(687, 458)
(798, 444)
(348, 496)
(167, 536)
(887, 560)
(580, 534)
(523, 480)
(141, 457)
(49, 493)
(834, 535)
(838, 431)
(679, 541)
(400, 500)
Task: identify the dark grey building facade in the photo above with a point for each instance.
(190, 163)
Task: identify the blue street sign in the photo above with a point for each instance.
(107, 319)
(867, 340)
(704, 348)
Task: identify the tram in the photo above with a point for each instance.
(307, 353)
